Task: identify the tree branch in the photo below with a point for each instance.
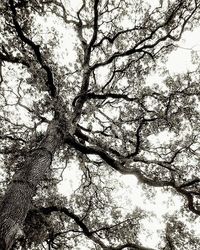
(85, 230)
(36, 49)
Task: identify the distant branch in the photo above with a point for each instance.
(142, 45)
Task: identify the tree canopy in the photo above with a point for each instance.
(76, 92)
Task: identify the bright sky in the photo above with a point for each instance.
(180, 60)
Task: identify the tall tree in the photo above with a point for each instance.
(99, 111)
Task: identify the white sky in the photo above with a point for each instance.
(180, 60)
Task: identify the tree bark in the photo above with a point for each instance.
(17, 199)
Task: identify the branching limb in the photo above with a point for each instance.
(36, 49)
(120, 166)
(6, 57)
(144, 46)
(85, 230)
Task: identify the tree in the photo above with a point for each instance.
(97, 110)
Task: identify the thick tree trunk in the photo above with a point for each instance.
(17, 199)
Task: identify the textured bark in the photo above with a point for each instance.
(17, 200)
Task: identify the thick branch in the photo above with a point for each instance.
(36, 49)
(121, 167)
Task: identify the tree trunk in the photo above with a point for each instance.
(17, 199)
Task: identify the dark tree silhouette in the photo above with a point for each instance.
(98, 110)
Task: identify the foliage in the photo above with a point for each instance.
(87, 67)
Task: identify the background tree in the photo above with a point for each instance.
(98, 111)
